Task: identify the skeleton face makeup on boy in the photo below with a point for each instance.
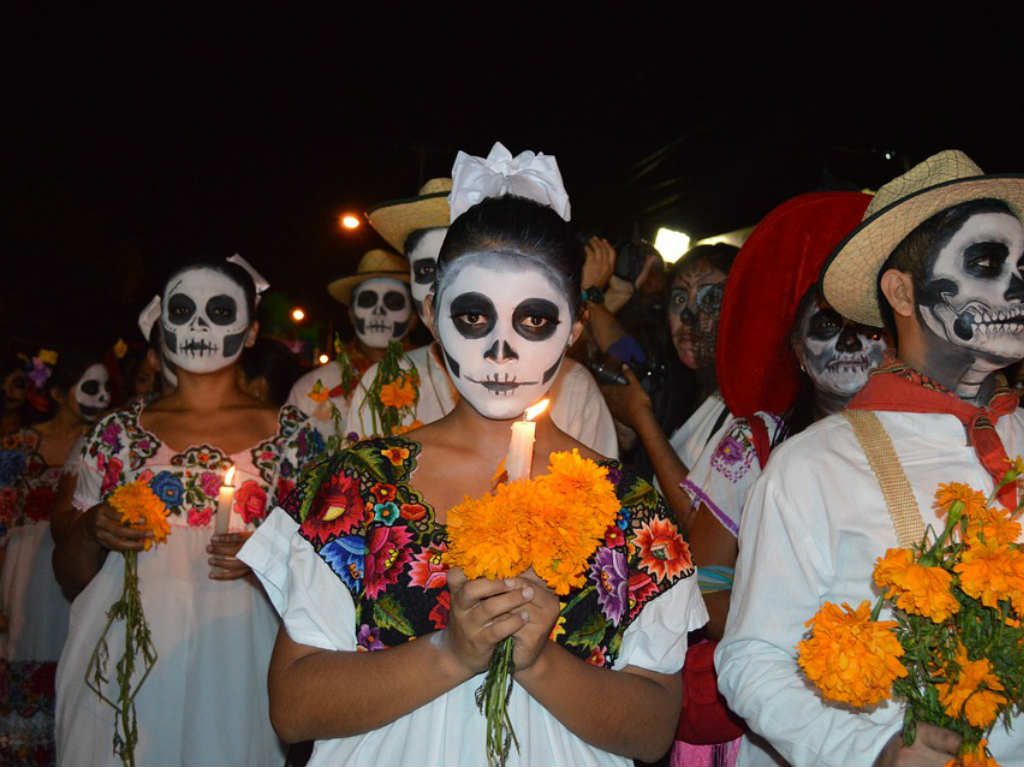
(695, 301)
(92, 392)
(835, 352)
(504, 323)
(972, 294)
(423, 264)
(204, 320)
(381, 311)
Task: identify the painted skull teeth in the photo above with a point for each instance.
(501, 385)
(199, 348)
(983, 318)
(853, 363)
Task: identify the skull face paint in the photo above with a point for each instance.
(381, 311)
(204, 320)
(695, 301)
(972, 294)
(92, 392)
(423, 264)
(836, 353)
(504, 324)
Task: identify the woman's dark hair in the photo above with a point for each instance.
(719, 256)
(800, 414)
(523, 228)
(915, 251)
(276, 363)
(71, 364)
(229, 269)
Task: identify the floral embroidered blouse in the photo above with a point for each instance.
(119, 450)
(28, 485)
(378, 535)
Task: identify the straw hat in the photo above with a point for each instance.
(397, 219)
(374, 263)
(778, 263)
(940, 182)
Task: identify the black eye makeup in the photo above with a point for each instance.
(366, 299)
(985, 259)
(536, 319)
(824, 324)
(180, 309)
(473, 315)
(394, 300)
(423, 271)
(709, 297)
(222, 310)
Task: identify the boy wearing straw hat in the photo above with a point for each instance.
(416, 226)
(380, 309)
(936, 258)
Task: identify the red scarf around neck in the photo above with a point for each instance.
(898, 387)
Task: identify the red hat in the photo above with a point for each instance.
(780, 260)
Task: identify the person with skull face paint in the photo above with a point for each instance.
(203, 702)
(33, 462)
(417, 227)
(380, 310)
(937, 257)
(505, 310)
(800, 361)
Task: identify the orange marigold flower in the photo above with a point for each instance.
(917, 589)
(971, 501)
(974, 757)
(992, 573)
(994, 526)
(851, 658)
(404, 428)
(398, 394)
(395, 454)
(142, 508)
(319, 393)
(977, 692)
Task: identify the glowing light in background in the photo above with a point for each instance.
(671, 244)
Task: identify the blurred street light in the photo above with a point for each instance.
(324, 359)
(671, 244)
(349, 221)
(298, 315)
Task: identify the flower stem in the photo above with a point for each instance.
(492, 699)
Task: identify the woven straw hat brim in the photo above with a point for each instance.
(341, 288)
(396, 220)
(850, 278)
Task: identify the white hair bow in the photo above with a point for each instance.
(149, 315)
(528, 174)
(257, 279)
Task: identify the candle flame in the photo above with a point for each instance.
(535, 410)
(229, 478)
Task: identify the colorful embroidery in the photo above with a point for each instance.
(28, 486)
(378, 535)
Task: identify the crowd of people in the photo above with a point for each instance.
(308, 508)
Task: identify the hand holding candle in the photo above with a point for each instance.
(520, 448)
(225, 500)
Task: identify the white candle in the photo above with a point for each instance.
(520, 449)
(225, 500)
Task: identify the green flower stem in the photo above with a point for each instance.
(492, 698)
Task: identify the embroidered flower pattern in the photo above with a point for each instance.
(392, 559)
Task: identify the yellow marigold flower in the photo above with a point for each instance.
(971, 501)
(977, 692)
(851, 658)
(141, 508)
(403, 428)
(992, 573)
(993, 525)
(917, 589)
(398, 394)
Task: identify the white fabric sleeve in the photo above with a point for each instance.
(656, 639)
(89, 480)
(316, 608)
(580, 410)
(784, 566)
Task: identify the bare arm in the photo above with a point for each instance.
(630, 404)
(321, 694)
(712, 544)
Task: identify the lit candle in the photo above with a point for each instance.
(225, 500)
(520, 448)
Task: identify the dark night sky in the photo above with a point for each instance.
(136, 139)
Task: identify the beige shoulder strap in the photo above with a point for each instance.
(877, 445)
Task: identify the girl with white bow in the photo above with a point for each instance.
(203, 702)
(353, 560)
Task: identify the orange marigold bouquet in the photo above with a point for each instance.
(954, 649)
(552, 523)
(140, 508)
(393, 393)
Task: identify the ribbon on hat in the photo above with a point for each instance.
(257, 279)
(528, 174)
(149, 315)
